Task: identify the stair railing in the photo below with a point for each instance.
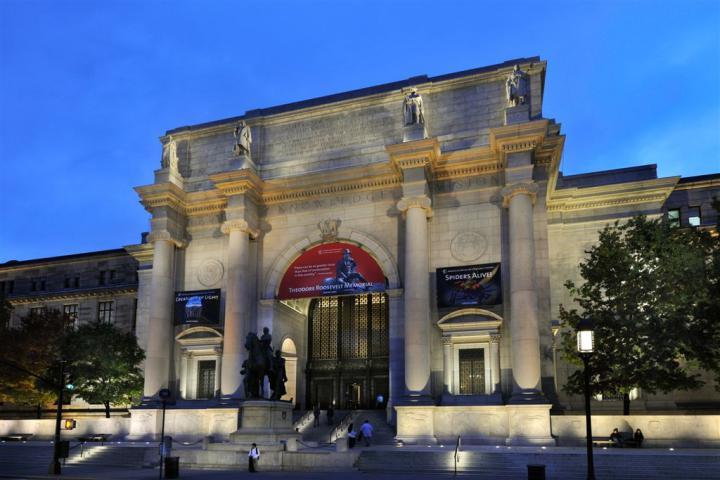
(457, 453)
(339, 430)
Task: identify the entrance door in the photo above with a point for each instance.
(348, 340)
(472, 371)
(206, 379)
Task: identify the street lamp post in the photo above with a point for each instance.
(164, 394)
(55, 468)
(585, 347)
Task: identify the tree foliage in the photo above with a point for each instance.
(105, 365)
(30, 351)
(652, 294)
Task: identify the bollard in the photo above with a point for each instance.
(341, 444)
(536, 472)
(291, 444)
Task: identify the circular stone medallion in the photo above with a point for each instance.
(468, 246)
(210, 272)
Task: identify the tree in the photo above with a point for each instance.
(104, 364)
(31, 352)
(652, 293)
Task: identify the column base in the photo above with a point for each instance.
(528, 397)
(412, 399)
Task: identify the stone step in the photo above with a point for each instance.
(514, 465)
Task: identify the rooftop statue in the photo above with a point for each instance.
(243, 139)
(413, 108)
(517, 87)
(169, 155)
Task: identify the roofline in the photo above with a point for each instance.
(700, 178)
(16, 263)
(351, 94)
(614, 170)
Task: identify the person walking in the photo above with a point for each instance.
(330, 415)
(253, 458)
(316, 415)
(352, 435)
(367, 430)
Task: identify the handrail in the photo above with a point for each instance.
(338, 431)
(457, 453)
(303, 421)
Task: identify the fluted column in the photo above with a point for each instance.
(519, 199)
(237, 321)
(416, 295)
(495, 362)
(448, 364)
(160, 325)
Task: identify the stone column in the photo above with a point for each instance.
(448, 364)
(237, 321)
(160, 325)
(416, 295)
(495, 359)
(519, 199)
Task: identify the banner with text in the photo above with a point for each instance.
(469, 285)
(198, 306)
(336, 268)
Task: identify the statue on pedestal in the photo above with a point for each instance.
(258, 366)
(413, 108)
(517, 87)
(278, 377)
(243, 139)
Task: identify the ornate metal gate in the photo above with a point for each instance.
(348, 357)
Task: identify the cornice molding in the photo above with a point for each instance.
(620, 194)
(516, 138)
(416, 154)
(238, 182)
(164, 235)
(162, 195)
(142, 252)
(73, 295)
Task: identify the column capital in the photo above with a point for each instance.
(239, 225)
(158, 235)
(421, 201)
(495, 338)
(447, 340)
(526, 188)
(415, 154)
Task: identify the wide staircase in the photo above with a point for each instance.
(383, 434)
(566, 464)
(113, 456)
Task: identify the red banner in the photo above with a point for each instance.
(332, 269)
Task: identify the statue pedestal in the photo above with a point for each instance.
(414, 132)
(264, 421)
(519, 114)
(242, 162)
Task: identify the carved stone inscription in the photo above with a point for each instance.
(458, 185)
(330, 202)
(340, 131)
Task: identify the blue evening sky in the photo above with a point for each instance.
(87, 87)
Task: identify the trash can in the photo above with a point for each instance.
(172, 467)
(536, 472)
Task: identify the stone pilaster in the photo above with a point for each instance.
(447, 364)
(237, 311)
(519, 198)
(495, 359)
(160, 325)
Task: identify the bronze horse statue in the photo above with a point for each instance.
(258, 366)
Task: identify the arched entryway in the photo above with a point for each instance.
(348, 353)
(289, 353)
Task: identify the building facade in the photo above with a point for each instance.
(406, 245)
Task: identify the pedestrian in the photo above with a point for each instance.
(616, 438)
(316, 415)
(253, 458)
(367, 430)
(379, 400)
(352, 435)
(638, 437)
(330, 414)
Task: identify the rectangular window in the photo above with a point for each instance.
(11, 286)
(2, 287)
(71, 313)
(77, 282)
(472, 371)
(37, 311)
(694, 219)
(105, 312)
(673, 217)
(112, 276)
(67, 282)
(101, 277)
(42, 284)
(33, 285)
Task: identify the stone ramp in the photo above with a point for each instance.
(566, 464)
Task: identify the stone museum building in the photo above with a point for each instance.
(406, 245)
